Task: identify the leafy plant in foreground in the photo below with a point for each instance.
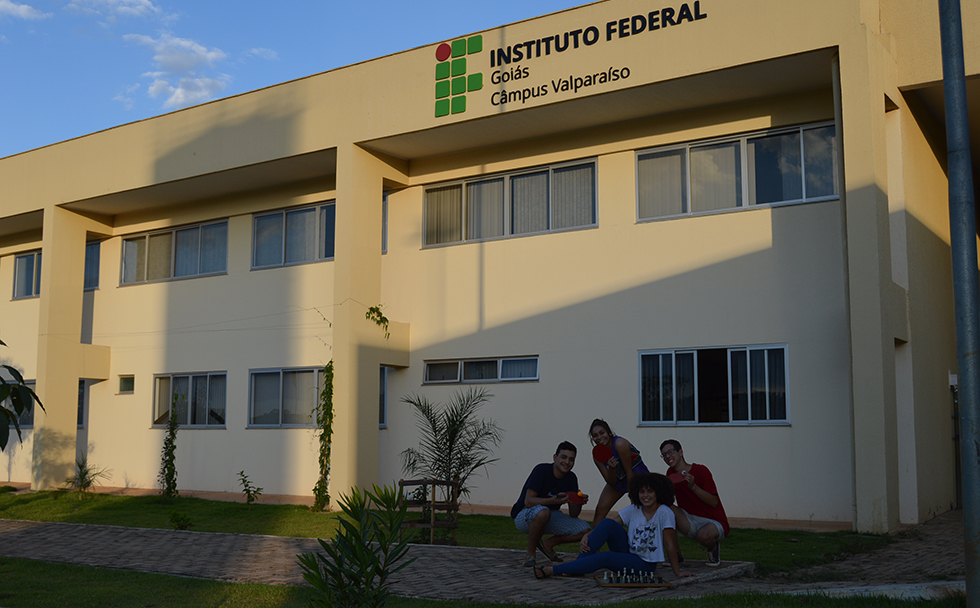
(353, 570)
(15, 399)
(86, 476)
(454, 442)
(250, 491)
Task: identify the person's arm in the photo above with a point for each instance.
(531, 499)
(575, 509)
(704, 495)
(608, 474)
(670, 548)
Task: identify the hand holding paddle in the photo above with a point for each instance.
(602, 453)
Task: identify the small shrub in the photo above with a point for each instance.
(86, 476)
(250, 491)
(7, 489)
(353, 570)
(179, 521)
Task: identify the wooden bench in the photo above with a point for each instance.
(449, 505)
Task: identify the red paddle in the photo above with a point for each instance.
(575, 498)
(603, 453)
(676, 477)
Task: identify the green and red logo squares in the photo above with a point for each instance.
(452, 81)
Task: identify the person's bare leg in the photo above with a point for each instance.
(708, 537)
(553, 541)
(536, 530)
(607, 499)
(681, 521)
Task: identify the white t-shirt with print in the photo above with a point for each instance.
(646, 536)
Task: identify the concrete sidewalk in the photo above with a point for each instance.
(925, 560)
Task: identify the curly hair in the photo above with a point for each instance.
(661, 486)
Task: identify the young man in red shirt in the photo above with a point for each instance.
(700, 515)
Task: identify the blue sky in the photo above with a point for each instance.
(72, 67)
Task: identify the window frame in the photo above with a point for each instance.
(507, 215)
(498, 379)
(93, 263)
(146, 236)
(318, 380)
(157, 421)
(696, 403)
(35, 275)
(318, 240)
(745, 188)
(120, 387)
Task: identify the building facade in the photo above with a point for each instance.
(714, 221)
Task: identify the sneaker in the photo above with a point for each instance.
(714, 556)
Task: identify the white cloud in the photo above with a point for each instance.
(114, 8)
(264, 53)
(188, 91)
(125, 98)
(178, 54)
(21, 11)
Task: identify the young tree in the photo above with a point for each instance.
(15, 399)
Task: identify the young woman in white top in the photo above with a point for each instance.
(649, 537)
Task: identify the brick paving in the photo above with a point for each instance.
(930, 552)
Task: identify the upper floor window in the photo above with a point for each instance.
(739, 384)
(538, 200)
(791, 165)
(507, 369)
(284, 397)
(92, 257)
(294, 236)
(196, 399)
(27, 275)
(172, 254)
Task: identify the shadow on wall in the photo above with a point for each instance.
(49, 473)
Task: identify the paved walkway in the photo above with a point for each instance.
(929, 553)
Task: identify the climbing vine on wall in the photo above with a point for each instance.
(324, 422)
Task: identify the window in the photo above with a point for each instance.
(792, 165)
(173, 254)
(196, 399)
(384, 223)
(27, 275)
(739, 384)
(509, 369)
(284, 397)
(82, 399)
(294, 236)
(383, 399)
(127, 385)
(26, 419)
(541, 200)
(92, 256)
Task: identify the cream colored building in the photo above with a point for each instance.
(717, 221)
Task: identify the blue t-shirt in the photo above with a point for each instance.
(544, 483)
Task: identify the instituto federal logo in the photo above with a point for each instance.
(452, 81)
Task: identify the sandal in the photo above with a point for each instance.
(551, 555)
(529, 562)
(539, 573)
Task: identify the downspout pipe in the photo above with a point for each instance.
(966, 286)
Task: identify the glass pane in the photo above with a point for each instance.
(328, 230)
(181, 398)
(573, 196)
(777, 384)
(265, 398)
(684, 385)
(443, 215)
(383, 397)
(515, 369)
(740, 385)
(37, 274)
(199, 400)
(92, 255)
(757, 374)
(134, 260)
(298, 397)
(485, 209)
(775, 173)
(651, 395)
(667, 387)
(187, 258)
(529, 203)
(159, 256)
(267, 248)
(214, 248)
(24, 276)
(301, 236)
(442, 372)
(716, 177)
(713, 385)
(161, 413)
(81, 402)
(127, 384)
(216, 399)
(27, 416)
(662, 183)
(820, 161)
(480, 370)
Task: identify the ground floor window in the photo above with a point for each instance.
(26, 419)
(284, 397)
(728, 385)
(196, 399)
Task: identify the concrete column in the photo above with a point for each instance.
(61, 358)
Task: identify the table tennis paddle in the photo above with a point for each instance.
(603, 453)
(676, 477)
(575, 498)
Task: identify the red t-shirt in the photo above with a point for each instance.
(689, 501)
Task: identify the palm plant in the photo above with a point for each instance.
(86, 476)
(453, 442)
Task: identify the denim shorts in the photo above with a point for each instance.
(561, 523)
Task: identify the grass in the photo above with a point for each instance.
(27, 583)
